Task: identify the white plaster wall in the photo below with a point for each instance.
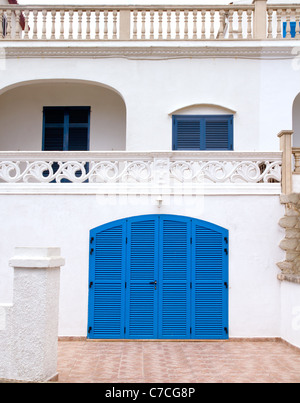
(296, 122)
(290, 312)
(21, 114)
(261, 92)
(64, 221)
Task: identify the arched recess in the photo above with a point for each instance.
(21, 113)
(158, 277)
(296, 121)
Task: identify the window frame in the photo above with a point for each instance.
(66, 125)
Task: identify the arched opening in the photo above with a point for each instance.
(296, 121)
(158, 277)
(22, 113)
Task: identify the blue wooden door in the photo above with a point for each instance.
(159, 276)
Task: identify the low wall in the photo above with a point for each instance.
(29, 326)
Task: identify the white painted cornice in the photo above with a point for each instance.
(149, 52)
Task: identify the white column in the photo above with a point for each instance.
(35, 313)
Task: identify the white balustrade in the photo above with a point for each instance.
(140, 168)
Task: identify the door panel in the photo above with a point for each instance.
(174, 280)
(142, 269)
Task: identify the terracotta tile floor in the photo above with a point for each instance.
(178, 362)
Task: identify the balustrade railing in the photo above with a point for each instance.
(160, 168)
(94, 23)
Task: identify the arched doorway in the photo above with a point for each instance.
(158, 277)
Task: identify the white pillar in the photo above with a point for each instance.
(35, 314)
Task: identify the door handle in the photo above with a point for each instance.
(154, 283)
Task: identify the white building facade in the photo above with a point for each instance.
(114, 116)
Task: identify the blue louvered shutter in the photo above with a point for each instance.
(174, 281)
(107, 282)
(218, 133)
(187, 133)
(142, 269)
(210, 277)
(203, 132)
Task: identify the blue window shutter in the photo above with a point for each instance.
(187, 133)
(142, 270)
(107, 281)
(174, 281)
(210, 282)
(203, 132)
(218, 133)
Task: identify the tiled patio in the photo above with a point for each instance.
(178, 362)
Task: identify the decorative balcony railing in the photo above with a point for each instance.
(139, 169)
(153, 23)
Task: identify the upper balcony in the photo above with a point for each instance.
(234, 22)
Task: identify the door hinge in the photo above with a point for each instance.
(90, 329)
(226, 239)
(92, 240)
(91, 252)
(226, 330)
(226, 284)
(226, 251)
(91, 284)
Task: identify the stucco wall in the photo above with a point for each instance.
(65, 221)
(152, 90)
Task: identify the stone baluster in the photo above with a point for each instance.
(296, 153)
(288, 23)
(270, 23)
(44, 24)
(71, 18)
(169, 25)
(115, 27)
(97, 25)
(1, 24)
(240, 24)
(8, 26)
(203, 20)
(35, 25)
(230, 19)
(160, 25)
(249, 24)
(62, 25)
(80, 14)
(88, 25)
(186, 24)
(195, 18)
(177, 14)
(212, 24)
(143, 30)
(151, 24)
(17, 25)
(135, 18)
(279, 24)
(53, 19)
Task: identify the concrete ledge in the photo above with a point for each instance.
(292, 278)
